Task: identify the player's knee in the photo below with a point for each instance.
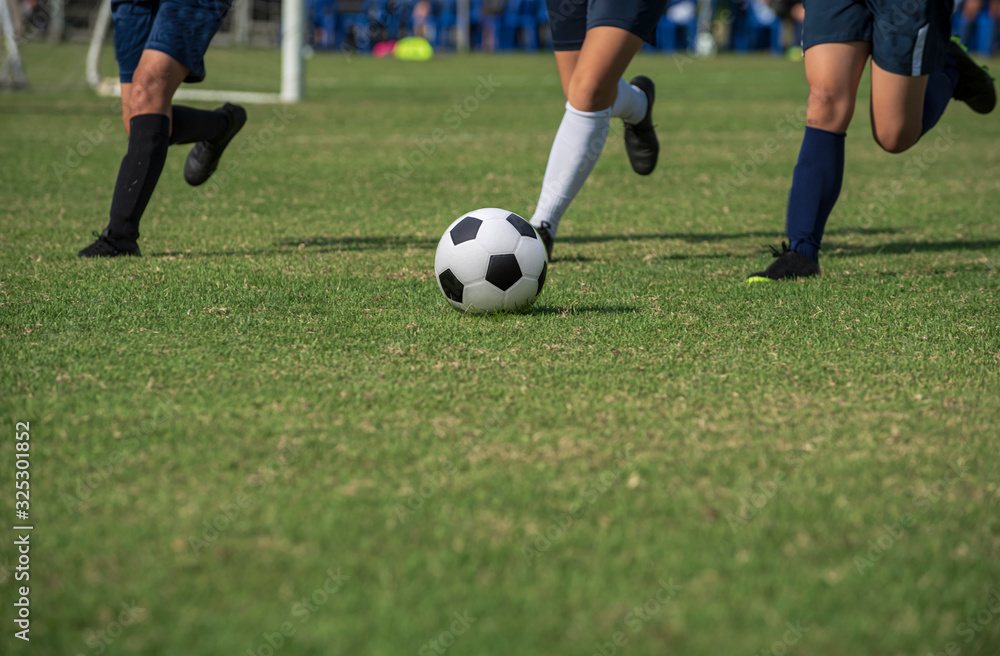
(148, 95)
(590, 95)
(830, 108)
(895, 139)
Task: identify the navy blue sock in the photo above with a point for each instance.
(815, 187)
(940, 88)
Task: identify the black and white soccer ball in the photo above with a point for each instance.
(490, 260)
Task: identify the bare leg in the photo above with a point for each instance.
(833, 71)
(897, 109)
(154, 83)
(590, 78)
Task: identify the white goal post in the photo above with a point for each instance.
(11, 69)
(292, 61)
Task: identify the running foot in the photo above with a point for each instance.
(975, 84)
(104, 247)
(640, 138)
(204, 157)
(788, 264)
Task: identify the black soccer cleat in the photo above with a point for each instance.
(641, 143)
(546, 236)
(103, 246)
(788, 264)
(975, 84)
(204, 156)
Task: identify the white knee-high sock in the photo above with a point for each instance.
(631, 103)
(577, 146)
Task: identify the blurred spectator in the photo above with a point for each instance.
(681, 12)
(971, 9)
(492, 10)
(322, 13)
(421, 18)
(791, 11)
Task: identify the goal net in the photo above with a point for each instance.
(239, 28)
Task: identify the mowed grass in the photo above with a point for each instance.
(273, 430)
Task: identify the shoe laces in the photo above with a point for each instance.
(102, 244)
(784, 249)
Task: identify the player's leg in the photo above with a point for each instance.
(126, 93)
(917, 68)
(897, 109)
(210, 131)
(592, 90)
(594, 41)
(174, 35)
(833, 71)
(154, 82)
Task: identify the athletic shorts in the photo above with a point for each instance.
(908, 37)
(180, 28)
(570, 19)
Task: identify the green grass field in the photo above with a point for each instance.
(273, 430)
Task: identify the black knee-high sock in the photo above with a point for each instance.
(191, 125)
(140, 169)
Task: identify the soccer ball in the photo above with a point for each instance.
(490, 260)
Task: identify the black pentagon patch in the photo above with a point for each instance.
(451, 285)
(466, 230)
(503, 271)
(541, 278)
(521, 226)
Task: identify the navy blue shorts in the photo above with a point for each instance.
(180, 28)
(570, 19)
(908, 37)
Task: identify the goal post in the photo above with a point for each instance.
(11, 69)
(292, 85)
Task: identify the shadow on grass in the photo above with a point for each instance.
(393, 242)
(582, 309)
(907, 247)
(390, 242)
